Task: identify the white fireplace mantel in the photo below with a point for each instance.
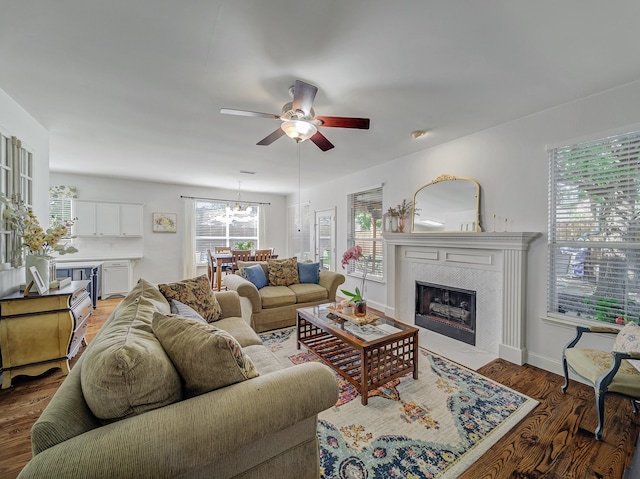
(505, 253)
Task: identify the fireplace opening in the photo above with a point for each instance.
(447, 310)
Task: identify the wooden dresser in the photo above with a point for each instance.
(41, 332)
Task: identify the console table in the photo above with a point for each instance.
(41, 332)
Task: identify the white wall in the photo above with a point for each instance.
(15, 121)
(510, 163)
(162, 252)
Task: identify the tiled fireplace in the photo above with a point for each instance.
(446, 310)
(492, 266)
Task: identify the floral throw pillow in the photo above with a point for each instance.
(283, 272)
(628, 339)
(196, 293)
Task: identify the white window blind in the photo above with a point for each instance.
(365, 229)
(60, 203)
(594, 229)
(221, 224)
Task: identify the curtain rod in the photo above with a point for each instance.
(226, 201)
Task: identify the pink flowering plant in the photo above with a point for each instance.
(354, 254)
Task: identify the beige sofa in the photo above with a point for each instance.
(256, 428)
(273, 307)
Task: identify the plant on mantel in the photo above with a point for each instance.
(401, 211)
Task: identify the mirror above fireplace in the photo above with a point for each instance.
(447, 204)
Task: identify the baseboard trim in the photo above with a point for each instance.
(552, 365)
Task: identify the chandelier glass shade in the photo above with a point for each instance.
(299, 130)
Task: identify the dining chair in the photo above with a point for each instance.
(262, 254)
(211, 269)
(609, 372)
(239, 255)
(224, 250)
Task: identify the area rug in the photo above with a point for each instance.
(432, 427)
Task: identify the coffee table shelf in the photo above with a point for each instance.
(366, 363)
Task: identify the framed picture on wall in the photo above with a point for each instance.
(165, 222)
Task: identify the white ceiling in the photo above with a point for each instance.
(134, 88)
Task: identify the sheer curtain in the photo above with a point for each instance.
(189, 250)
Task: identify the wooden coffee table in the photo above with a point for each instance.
(367, 356)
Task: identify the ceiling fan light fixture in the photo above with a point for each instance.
(298, 130)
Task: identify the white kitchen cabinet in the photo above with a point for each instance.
(130, 219)
(85, 214)
(107, 219)
(116, 278)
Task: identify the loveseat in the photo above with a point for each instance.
(124, 416)
(272, 304)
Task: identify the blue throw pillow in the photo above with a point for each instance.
(309, 272)
(256, 275)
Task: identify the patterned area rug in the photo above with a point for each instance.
(432, 427)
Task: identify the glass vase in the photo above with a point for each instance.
(360, 308)
(17, 253)
(402, 223)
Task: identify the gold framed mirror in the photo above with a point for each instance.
(447, 204)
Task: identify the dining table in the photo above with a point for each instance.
(226, 258)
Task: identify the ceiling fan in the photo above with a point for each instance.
(299, 121)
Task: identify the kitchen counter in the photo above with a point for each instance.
(110, 276)
(83, 270)
(77, 264)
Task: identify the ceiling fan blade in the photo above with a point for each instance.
(321, 141)
(229, 111)
(303, 96)
(266, 141)
(344, 122)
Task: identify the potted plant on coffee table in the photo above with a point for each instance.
(360, 304)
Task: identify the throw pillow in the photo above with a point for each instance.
(206, 357)
(196, 293)
(309, 272)
(128, 372)
(256, 275)
(184, 311)
(628, 339)
(283, 272)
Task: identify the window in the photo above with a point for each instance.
(594, 229)
(16, 185)
(365, 229)
(221, 224)
(60, 199)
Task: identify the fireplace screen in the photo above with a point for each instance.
(446, 310)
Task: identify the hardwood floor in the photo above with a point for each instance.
(554, 441)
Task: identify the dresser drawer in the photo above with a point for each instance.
(78, 296)
(81, 310)
(78, 336)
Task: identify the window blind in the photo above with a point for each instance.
(594, 229)
(365, 230)
(60, 204)
(221, 224)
